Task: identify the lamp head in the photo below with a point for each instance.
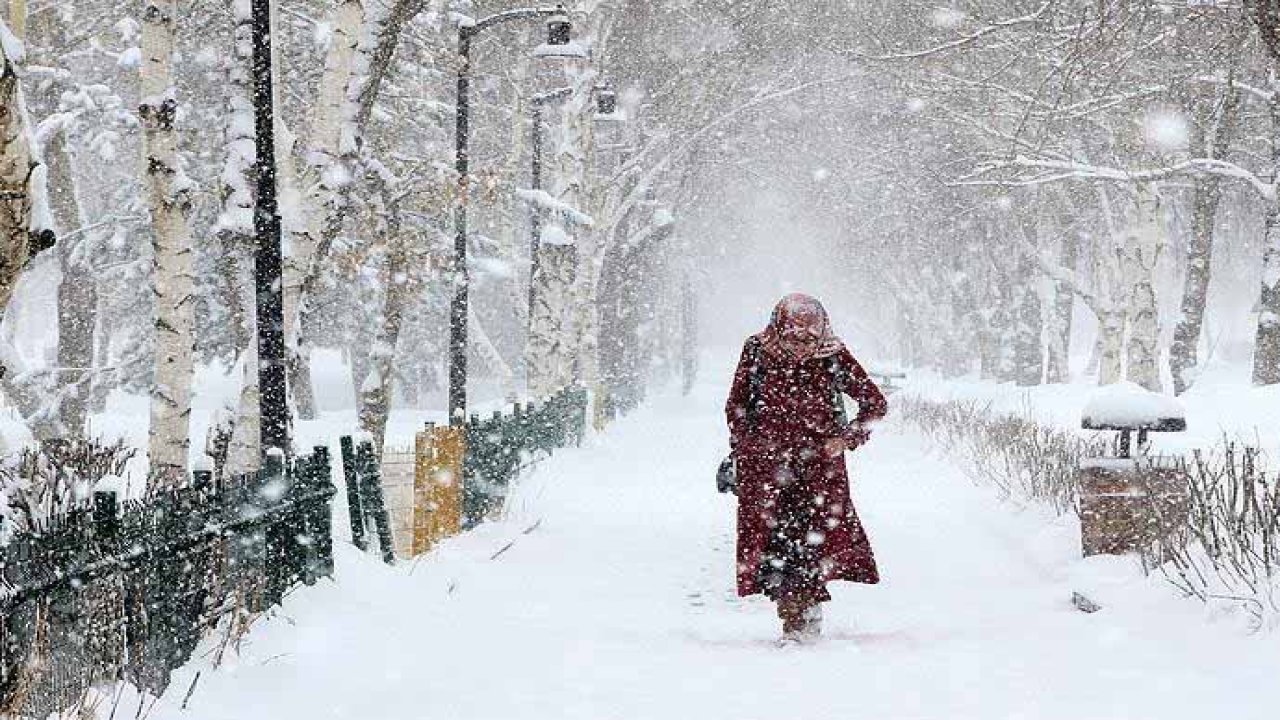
(606, 99)
(559, 28)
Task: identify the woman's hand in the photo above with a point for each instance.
(835, 446)
(854, 437)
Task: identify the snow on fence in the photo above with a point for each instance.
(498, 448)
(112, 591)
(399, 470)
(413, 499)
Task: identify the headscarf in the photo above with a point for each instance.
(797, 312)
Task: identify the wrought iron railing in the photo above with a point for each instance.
(499, 447)
(123, 591)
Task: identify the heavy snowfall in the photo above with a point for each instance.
(636, 359)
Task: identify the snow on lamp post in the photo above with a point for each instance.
(606, 106)
(559, 45)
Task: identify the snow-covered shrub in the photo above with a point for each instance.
(1027, 461)
(44, 481)
(1229, 547)
(1226, 549)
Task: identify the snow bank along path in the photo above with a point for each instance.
(619, 604)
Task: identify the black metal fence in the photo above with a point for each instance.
(366, 503)
(115, 591)
(499, 447)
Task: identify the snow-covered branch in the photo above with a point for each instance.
(962, 42)
(1055, 170)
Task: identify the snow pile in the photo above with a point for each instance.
(556, 235)
(572, 50)
(544, 200)
(1127, 405)
(14, 50)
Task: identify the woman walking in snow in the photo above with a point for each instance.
(797, 527)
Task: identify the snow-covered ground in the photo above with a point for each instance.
(613, 599)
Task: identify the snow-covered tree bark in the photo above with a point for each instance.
(168, 200)
(1026, 327)
(1266, 352)
(235, 230)
(375, 392)
(550, 332)
(21, 176)
(1139, 255)
(1058, 320)
(244, 448)
(77, 289)
(571, 164)
(327, 178)
(1212, 136)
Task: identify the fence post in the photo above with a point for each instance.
(581, 402)
(351, 477)
(321, 519)
(106, 515)
(202, 481)
(300, 525)
(371, 492)
(474, 460)
(271, 489)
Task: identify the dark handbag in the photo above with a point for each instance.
(727, 476)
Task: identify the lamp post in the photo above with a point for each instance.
(273, 400)
(606, 104)
(535, 183)
(559, 44)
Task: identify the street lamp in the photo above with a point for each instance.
(606, 99)
(559, 45)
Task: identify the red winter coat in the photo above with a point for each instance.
(781, 466)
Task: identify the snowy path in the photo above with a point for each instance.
(619, 605)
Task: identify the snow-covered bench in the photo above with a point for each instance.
(889, 381)
(1127, 408)
(1129, 504)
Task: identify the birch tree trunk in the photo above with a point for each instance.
(1110, 347)
(327, 176)
(18, 18)
(236, 228)
(77, 291)
(1140, 255)
(375, 391)
(1111, 289)
(1026, 329)
(549, 330)
(688, 335)
(1058, 322)
(365, 38)
(21, 181)
(573, 163)
(1185, 350)
(1266, 353)
(167, 198)
(244, 449)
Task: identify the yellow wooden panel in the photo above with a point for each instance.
(423, 470)
(437, 486)
(451, 448)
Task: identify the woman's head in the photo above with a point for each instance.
(801, 328)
